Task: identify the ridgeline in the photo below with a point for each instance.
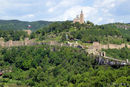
(22, 25)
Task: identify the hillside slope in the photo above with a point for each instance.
(20, 25)
(88, 32)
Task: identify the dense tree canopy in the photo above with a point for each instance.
(22, 25)
(13, 35)
(123, 53)
(51, 66)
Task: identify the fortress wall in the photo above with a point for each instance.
(95, 46)
(98, 46)
(13, 43)
(128, 45)
(104, 46)
(2, 43)
(24, 43)
(123, 45)
(18, 43)
(114, 46)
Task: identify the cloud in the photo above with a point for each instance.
(72, 12)
(63, 4)
(97, 11)
(29, 16)
(22, 10)
(49, 3)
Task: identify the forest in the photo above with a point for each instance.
(22, 25)
(66, 31)
(53, 66)
(123, 53)
(15, 35)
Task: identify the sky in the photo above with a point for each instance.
(96, 11)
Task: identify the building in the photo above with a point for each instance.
(79, 19)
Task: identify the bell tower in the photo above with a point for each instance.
(81, 17)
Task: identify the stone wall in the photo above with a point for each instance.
(17, 43)
(28, 32)
(98, 46)
(95, 46)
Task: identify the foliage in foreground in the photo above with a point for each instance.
(123, 53)
(46, 66)
(13, 35)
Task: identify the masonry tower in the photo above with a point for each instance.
(79, 19)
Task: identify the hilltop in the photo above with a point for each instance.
(115, 33)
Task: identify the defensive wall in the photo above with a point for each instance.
(98, 46)
(95, 46)
(11, 43)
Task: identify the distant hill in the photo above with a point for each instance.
(21, 25)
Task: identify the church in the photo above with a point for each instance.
(79, 19)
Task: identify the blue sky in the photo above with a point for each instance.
(97, 11)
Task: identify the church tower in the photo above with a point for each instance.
(81, 18)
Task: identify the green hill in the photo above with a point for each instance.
(55, 66)
(123, 28)
(67, 31)
(20, 25)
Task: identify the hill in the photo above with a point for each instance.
(57, 66)
(88, 32)
(123, 28)
(20, 25)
